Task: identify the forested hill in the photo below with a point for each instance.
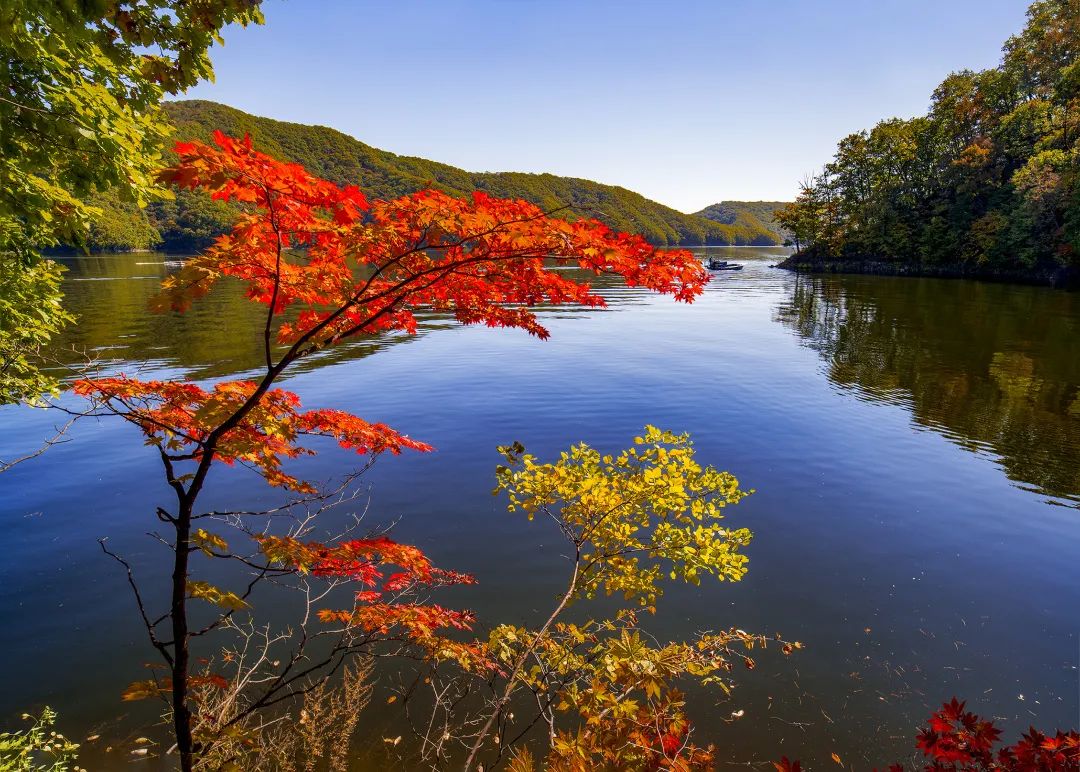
(192, 219)
(987, 183)
(731, 212)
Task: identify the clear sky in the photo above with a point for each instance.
(688, 103)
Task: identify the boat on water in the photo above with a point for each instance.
(723, 265)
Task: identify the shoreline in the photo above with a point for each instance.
(1060, 278)
(173, 249)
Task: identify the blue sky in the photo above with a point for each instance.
(687, 103)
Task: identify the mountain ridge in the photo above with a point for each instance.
(728, 212)
(192, 220)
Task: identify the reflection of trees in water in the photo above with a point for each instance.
(220, 335)
(986, 365)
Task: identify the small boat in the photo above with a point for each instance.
(723, 265)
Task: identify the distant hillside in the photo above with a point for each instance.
(192, 220)
(756, 212)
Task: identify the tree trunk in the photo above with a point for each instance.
(181, 713)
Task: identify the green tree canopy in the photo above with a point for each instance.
(82, 82)
(987, 182)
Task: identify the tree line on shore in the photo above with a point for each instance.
(987, 182)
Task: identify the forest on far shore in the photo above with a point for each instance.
(191, 221)
(986, 183)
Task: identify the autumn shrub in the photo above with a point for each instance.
(317, 735)
(38, 748)
(631, 519)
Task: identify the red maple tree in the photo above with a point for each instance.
(341, 267)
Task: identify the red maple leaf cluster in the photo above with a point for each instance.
(179, 417)
(388, 610)
(957, 740)
(351, 267)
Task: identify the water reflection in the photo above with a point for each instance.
(221, 334)
(995, 368)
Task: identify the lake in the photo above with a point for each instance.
(914, 445)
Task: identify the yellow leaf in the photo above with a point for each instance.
(215, 595)
(207, 541)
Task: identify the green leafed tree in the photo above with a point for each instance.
(988, 182)
(80, 117)
(30, 315)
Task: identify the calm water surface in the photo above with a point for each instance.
(914, 445)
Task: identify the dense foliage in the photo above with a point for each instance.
(192, 220)
(988, 181)
(80, 109)
(30, 315)
(119, 225)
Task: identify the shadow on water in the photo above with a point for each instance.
(994, 368)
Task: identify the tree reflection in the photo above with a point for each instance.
(991, 367)
(222, 333)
